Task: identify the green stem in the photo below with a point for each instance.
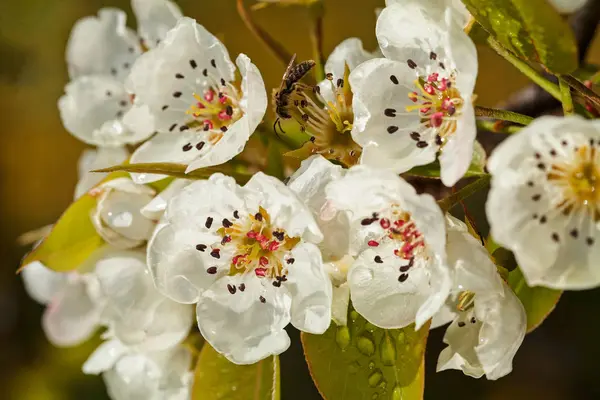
(492, 126)
(567, 100)
(270, 43)
(481, 183)
(503, 115)
(526, 69)
(586, 92)
(316, 39)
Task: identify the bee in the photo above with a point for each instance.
(293, 74)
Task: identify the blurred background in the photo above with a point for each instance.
(38, 173)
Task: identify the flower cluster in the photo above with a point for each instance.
(344, 233)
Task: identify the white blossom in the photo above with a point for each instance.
(117, 216)
(202, 114)
(92, 159)
(398, 273)
(309, 183)
(418, 100)
(101, 50)
(137, 375)
(488, 320)
(113, 289)
(247, 257)
(544, 202)
(567, 6)
(72, 312)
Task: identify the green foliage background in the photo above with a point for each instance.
(37, 177)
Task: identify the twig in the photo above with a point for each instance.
(472, 188)
(502, 115)
(316, 38)
(588, 93)
(567, 100)
(495, 127)
(273, 45)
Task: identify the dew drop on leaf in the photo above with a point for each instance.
(375, 378)
(365, 345)
(342, 337)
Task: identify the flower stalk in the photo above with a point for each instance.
(567, 99)
(503, 115)
(586, 92)
(270, 43)
(316, 38)
(497, 127)
(481, 183)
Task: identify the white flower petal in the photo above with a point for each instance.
(487, 345)
(135, 311)
(179, 269)
(253, 104)
(155, 209)
(339, 304)
(41, 283)
(310, 289)
(187, 50)
(309, 183)
(150, 376)
(568, 6)
(167, 147)
(104, 357)
(349, 52)
(532, 210)
(240, 325)
(102, 45)
(117, 217)
(154, 19)
(457, 152)
(374, 93)
(90, 160)
(92, 110)
(72, 316)
(221, 197)
(377, 293)
(413, 29)
(287, 211)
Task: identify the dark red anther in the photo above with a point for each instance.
(385, 223)
(373, 243)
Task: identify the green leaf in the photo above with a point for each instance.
(178, 170)
(216, 378)
(538, 301)
(361, 361)
(532, 29)
(72, 239)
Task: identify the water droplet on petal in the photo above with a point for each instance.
(397, 393)
(371, 365)
(353, 315)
